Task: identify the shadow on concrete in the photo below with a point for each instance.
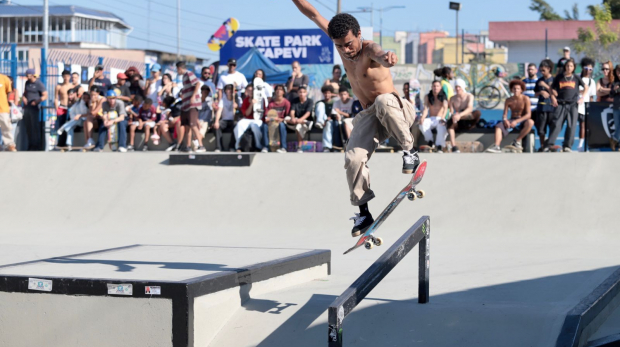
(128, 266)
(524, 313)
(165, 162)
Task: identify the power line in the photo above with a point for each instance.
(326, 6)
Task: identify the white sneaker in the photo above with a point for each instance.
(326, 150)
(122, 149)
(300, 150)
(494, 149)
(155, 142)
(89, 144)
(217, 151)
(319, 125)
(155, 137)
(581, 149)
(264, 150)
(60, 131)
(281, 150)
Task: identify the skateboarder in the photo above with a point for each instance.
(385, 114)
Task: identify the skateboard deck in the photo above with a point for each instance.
(427, 149)
(223, 34)
(555, 148)
(73, 149)
(367, 239)
(512, 149)
(113, 131)
(259, 107)
(273, 126)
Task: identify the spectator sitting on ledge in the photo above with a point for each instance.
(464, 117)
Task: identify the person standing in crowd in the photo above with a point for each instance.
(34, 94)
(100, 80)
(342, 111)
(77, 115)
(300, 118)
(61, 102)
(110, 106)
(121, 88)
(94, 110)
(565, 58)
(6, 129)
(77, 84)
(153, 84)
(615, 94)
(206, 75)
(205, 117)
(296, 80)
(283, 107)
(446, 74)
(565, 96)
(325, 118)
(434, 116)
(530, 85)
(520, 117)
(587, 69)
(225, 117)
(190, 95)
(544, 108)
(603, 86)
(267, 89)
(232, 76)
(248, 120)
(335, 80)
(464, 117)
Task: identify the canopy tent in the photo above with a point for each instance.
(253, 60)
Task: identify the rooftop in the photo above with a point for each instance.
(12, 10)
(535, 30)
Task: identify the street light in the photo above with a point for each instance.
(457, 7)
(381, 21)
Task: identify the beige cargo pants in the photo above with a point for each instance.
(388, 116)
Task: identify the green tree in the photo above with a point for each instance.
(548, 13)
(600, 43)
(614, 6)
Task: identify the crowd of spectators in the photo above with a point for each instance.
(259, 116)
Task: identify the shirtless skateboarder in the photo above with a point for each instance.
(61, 102)
(464, 117)
(385, 114)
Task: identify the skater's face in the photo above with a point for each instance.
(303, 94)
(249, 91)
(531, 70)
(86, 98)
(344, 95)
(569, 67)
(545, 70)
(436, 87)
(588, 70)
(279, 92)
(516, 90)
(327, 95)
(350, 46)
(259, 74)
(75, 78)
(337, 73)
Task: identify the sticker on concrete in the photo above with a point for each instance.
(120, 289)
(39, 284)
(191, 156)
(152, 290)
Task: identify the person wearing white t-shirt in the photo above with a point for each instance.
(225, 117)
(267, 88)
(343, 108)
(587, 66)
(234, 77)
(153, 84)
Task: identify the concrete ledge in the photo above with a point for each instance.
(212, 159)
(160, 303)
(585, 318)
(608, 341)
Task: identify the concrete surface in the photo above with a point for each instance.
(516, 241)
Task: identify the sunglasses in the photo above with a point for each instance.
(587, 68)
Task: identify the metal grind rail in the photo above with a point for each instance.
(345, 303)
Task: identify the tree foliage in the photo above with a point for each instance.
(600, 43)
(614, 6)
(546, 11)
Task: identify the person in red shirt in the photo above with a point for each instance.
(282, 106)
(249, 121)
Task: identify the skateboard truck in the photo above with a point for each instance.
(413, 194)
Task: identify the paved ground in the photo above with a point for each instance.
(516, 240)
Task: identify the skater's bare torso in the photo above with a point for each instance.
(365, 62)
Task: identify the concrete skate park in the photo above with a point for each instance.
(105, 249)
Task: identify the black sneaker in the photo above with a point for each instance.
(361, 224)
(439, 149)
(410, 162)
(184, 149)
(455, 149)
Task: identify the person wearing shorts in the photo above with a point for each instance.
(147, 120)
(300, 118)
(464, 117)
(191, 105)
(520, 117)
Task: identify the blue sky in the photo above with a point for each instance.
(200, 18)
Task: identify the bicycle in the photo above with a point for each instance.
(491, 95)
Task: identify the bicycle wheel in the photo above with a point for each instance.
(489, 97)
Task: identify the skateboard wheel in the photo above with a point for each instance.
(368, 245)
(378, 241)
(411, 196)
(421, 194)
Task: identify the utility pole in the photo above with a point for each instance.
(148, 24)
(456, 6)
(178, 30)
(339, 6)
(46, 19)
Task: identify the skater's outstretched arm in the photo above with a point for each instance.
(376, 53)
(311, 12)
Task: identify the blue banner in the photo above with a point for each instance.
(308, 46)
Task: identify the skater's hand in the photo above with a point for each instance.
(216, 125)
(513, 124)
(108, 123)
(554, 102)
(390, 59)
(507, 124)
(456, 117)
(254, 101)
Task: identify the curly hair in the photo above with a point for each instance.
(547, 63)
(517, 82)
(341, 24)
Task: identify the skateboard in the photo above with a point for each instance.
(512, 149)
(113, 131)
(274, 131)
(410, 191)
(427, 149)
(555, 148)
(470, 146)
(258, 108)
(73, 149)
(223, 34)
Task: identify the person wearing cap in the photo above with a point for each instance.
(232, 76)
(77, 85)
(34, 94)
(563, 60)
(434, 116)
(6, 128)
(112, 112)
(100, 80)
(464, 117)
(153, 84)
(121, 88)
(520, 117)
(206, 79)
(61, 102)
